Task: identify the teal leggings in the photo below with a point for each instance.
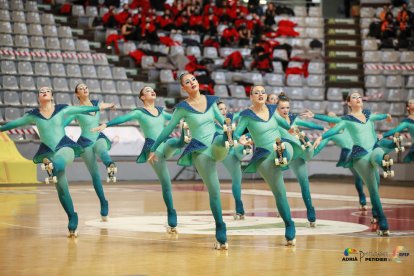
(171, 147)
(233, 166)
(274, 178)
(100, 149)
(206, 167)
(299, 167)
(367, 170)
(359, 187)
(60, 160)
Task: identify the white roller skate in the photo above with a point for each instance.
(397, 138)
(171, 230)
(48, 167)
(374, 221)
(304, 140)
(291, 242)
(248, 149)
(311, 224)
(279, 148)
(238, 217)
(187, 133)
(387, 162)
(383, 233)
(111, 170)
(229, 127)
(104, 218)
(73, 234)
(221, 246)
(363, 207)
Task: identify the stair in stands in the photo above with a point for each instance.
(343, 53)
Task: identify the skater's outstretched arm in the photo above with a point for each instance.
(217, 114)
(68, 120)
(320, 117)
(323, 144)
(133, 115)
(308, 124)
(379, 117)
(73, 110)
(399, 128)
(25, 120)
(335, 130)
(281, 121)
(176, 117)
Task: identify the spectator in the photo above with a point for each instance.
(230, 36)
(129, 31)
(270, 14)
(109, 18)
(388, 27)
(384, 13)
(245, 35)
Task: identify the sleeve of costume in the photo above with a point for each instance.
(73, 110)
(282, 122)
(217, 114)
(68, 120)
(133, 115)
(25, 120)
(176, 117)
(166, 115)
(327, 118)
(241, 126)
(334, 130)
(308, 124)
(399, 128)
(378, 117)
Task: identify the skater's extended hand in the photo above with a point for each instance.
(389, 118)
(244, 141)
(99, 128)
(307, 114)
(104, 106)
(317, 142)
(152, 158)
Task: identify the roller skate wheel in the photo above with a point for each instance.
(384, 163)
(221, 246)
(43, 167)
(172, 230)
(385, 174)
(235, 143)
(291, 242)
(302, 133)
(104, 218)
(225, 128)
(394, 139)
(383, 233)
(283, 146)
(227, 144)
(108, 180)
(185, 125)
(396, 150)
(50, 166)
(373, 220)
(233, 126)
(391, 162)
(115, 169)
(303, 147)
(244, 152)
(55, 180)
(73, 234)
(238, 217)
(402, 149)
(392, 173)
(47, 180)
(311, 224)
(277, 163)
(285, 160)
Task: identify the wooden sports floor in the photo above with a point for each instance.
(134, 241)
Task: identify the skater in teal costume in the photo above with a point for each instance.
(344, 141)
(298, 164)
(56, 146)
(93, 143)
(206, 146)
(264, 126)
(233, 163)
(406, 124)
(365, 155)
(152, 120)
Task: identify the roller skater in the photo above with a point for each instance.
(152, 120)
(48, 167)
(95, 144)
(56, 146)
(279, 148)
(206, 146)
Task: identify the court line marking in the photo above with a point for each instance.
(321, 196)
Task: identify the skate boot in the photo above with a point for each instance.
(279, 148)
(397, 138)
(221, 237)
(374, 219)
(304, 140)
(104, 210)
(172, 222)
(362, 203)
(239, 211)
(112, 170)
(72, 225)
(228, 128)
(290, 233)
(310, 213)
(383, 230)
(387, 162)
(48, 167)
(187, 133)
